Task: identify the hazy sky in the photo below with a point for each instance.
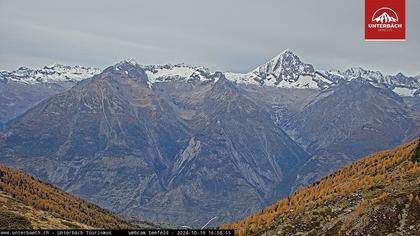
(229, 35)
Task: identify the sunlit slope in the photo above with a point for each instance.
(27, 203)
(377, 195)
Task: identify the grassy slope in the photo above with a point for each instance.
(14, 214)
(377, 195)
(26, 202)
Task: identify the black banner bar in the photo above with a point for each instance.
(137, 232)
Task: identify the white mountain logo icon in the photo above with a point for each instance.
(385, 15)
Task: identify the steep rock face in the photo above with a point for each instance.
(116, 140)
(23, 88)
(285, 70)
(233, 116)
(26, 87)
(378, 195)
(349, 121)
(236, 154)
(285, 66)
(107, 139)
(108, 108)
(16, 98)
(160, 143)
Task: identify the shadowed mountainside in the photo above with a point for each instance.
(118, 141)
(378, 195)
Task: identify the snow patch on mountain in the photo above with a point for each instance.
(400, 84)
(179, 72)
(405, 92)
(285, 70)
(55, 73)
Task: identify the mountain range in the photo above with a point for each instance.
(25, 87)
(181, 144)
(285, 70)
(116, 141)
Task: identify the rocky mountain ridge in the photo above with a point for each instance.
(124, 144)
(56, 73)
(173, 143)
(286, 70)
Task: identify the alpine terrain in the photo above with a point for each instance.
(118, 141)
(182, 144)
(27, 203)
(378, 195)
(23, 88)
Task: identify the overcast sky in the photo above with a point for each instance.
(228, 35)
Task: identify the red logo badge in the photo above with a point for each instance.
(384, 19)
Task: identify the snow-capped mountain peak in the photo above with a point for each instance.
(356, 72)
(285, 66)
(399, 83)
(284, 70)
(129, 61)
(55, 73)
(124, 64)
(179, 72)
